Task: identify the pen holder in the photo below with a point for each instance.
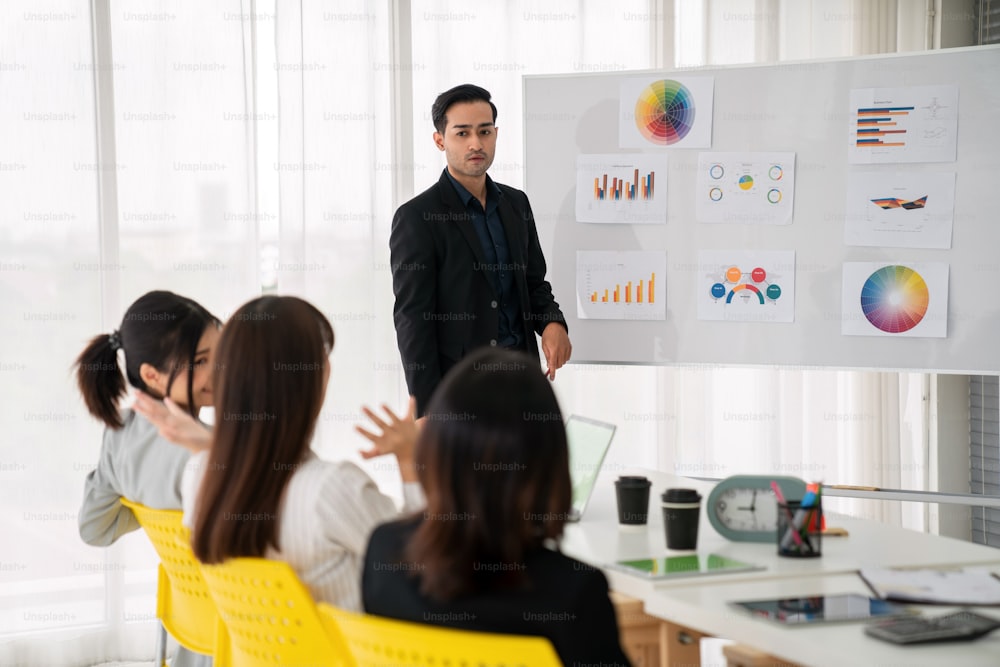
(795, 539)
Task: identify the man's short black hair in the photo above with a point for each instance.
(466, 92)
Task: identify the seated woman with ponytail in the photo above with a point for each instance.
(166, 342)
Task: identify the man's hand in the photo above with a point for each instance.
(173, 422)
(556, 348)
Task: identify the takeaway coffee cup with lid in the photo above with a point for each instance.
(633, 500)
(681, 511)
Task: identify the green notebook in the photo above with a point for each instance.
(676, 567)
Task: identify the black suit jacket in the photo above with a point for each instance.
(564, 600)
(445, 306)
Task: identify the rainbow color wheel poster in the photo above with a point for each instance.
(666, 112)
(897, 299)
(894, 299)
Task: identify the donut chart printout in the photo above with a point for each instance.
(895, 299)
(746, 285)
(745, 188)
(666, 112)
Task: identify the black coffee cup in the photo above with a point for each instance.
(633, 500)
(681, 513)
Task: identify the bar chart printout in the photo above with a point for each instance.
(626, 285)
(914, 124)
(623, 189)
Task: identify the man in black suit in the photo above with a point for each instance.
(467, 268)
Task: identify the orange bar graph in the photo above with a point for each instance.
(628, 292)
(638, 293)
(593, 297)
(652, 280)
(604, 299)
(617, 287)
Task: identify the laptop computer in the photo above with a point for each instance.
(588, 441)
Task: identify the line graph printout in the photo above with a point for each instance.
(746, 285)
(621, 285)
(745, 188)
(899, 209)
(907, 299)
(626, 188)
(914, 124)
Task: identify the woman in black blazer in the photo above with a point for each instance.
(493, 461)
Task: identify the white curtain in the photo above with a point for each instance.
(184, 222)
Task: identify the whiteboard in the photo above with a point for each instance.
(802, 108)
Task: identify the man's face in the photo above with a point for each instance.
(469, 140)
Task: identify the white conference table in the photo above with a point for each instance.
(700, 602)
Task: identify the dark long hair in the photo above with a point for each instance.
(268, 390)
(493, 461)
(161, 329)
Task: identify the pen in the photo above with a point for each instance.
(800, 520)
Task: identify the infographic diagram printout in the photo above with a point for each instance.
(895, 299)
(745, 188)
(746, 285)
(913, 124)
(674, 112)
(621, 285)
(627, 188)
(899, 209)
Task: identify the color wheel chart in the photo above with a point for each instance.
(673, 112)
(626, 188)
(664, 112)
(746, 286)
(745, 188)
(621, 285)
(901, 299)
(894, 299)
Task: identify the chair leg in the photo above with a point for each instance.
(161, 646)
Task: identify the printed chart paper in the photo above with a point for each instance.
(746, 285)
(627, 188)
(675, 112)
(621, 285)
(899, 209)
(895, 299)
(915, 124)
(745, 188)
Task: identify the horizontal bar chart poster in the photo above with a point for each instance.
(624, 189)
(670, 112)
(621, 285)
(746, 285)
(745, 188)
(914, 124)
(895, 299)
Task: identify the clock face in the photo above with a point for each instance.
(747, 509)
(743, 508)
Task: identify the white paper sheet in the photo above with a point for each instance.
(658, 111)
(746, 285)
(899, 209)
(621, 285)
(745, 188)
(895, 299)
(913, 124)
(628, 188)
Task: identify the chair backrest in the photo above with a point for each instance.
(270, 617)
(376, 641)
(183, 603)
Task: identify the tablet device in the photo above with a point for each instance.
(676, 567)
(823, 609)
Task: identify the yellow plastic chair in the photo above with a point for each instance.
(375, 642)
(183, 605)
(270, 618)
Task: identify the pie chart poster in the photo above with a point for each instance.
(895, 299)
(668, 112)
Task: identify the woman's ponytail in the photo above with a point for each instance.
(100, 379)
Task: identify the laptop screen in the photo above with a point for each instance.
(588, 441)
